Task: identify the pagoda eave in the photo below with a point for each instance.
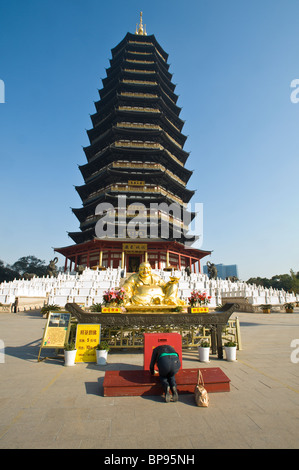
(139, 41)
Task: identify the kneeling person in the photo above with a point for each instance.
(168, 363)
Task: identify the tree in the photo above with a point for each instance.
(287, 282)
(282, 281)
(260, 281)
(295, 281)
(30, 264)
(7, 273)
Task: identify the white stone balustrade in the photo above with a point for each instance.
(89, 287)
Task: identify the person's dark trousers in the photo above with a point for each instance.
(168, 366)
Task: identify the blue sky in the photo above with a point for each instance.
(232, 61)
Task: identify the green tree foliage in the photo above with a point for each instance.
(287, 282)
(7, 273)
(30, 264)
(295, 279)
(26, 264)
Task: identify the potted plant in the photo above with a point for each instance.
(96, 308)
(204, 351)
(230, 348)
(289, 307)
(70, 353)
(266, 308)
(102, 350)
(49, 308)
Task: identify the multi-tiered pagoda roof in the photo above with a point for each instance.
(136, 147)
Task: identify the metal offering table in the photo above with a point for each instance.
(216, 321)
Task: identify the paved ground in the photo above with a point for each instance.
(46, 405)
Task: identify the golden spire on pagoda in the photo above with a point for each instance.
(139, 29)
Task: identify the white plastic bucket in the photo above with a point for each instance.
(203, 354)
(101, 356)
(231, 353)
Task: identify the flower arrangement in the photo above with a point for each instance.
(196, 298)
(113, 296)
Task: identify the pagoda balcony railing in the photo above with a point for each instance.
(138, 125)
(139, 82)
(163, 64)
(139, 108)
(147, 44)
(149, 65)
(141, 43)
(152, 110)
(140, 71)
(138, 95)
(150, 218)
(142, 189)
(122, 143)
(121, 164)
(160, 147)
(135, 61)
(137, 166)
(145, 82)
(152, 145)
(147, 189)
(145, 166)
(141, 53)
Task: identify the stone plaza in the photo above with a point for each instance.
(45, 405)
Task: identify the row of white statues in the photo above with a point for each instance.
(88, 288)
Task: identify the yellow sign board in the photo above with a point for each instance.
(134, 247)
(57, 331)
(87, 339)
(136, 183)
(111, 309)
(199, 309)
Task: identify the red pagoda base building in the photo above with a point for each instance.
(135, 156)
(128, 255)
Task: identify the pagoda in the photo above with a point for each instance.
(135, 195)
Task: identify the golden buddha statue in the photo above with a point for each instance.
(147, 289)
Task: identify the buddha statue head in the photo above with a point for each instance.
(145, 270)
